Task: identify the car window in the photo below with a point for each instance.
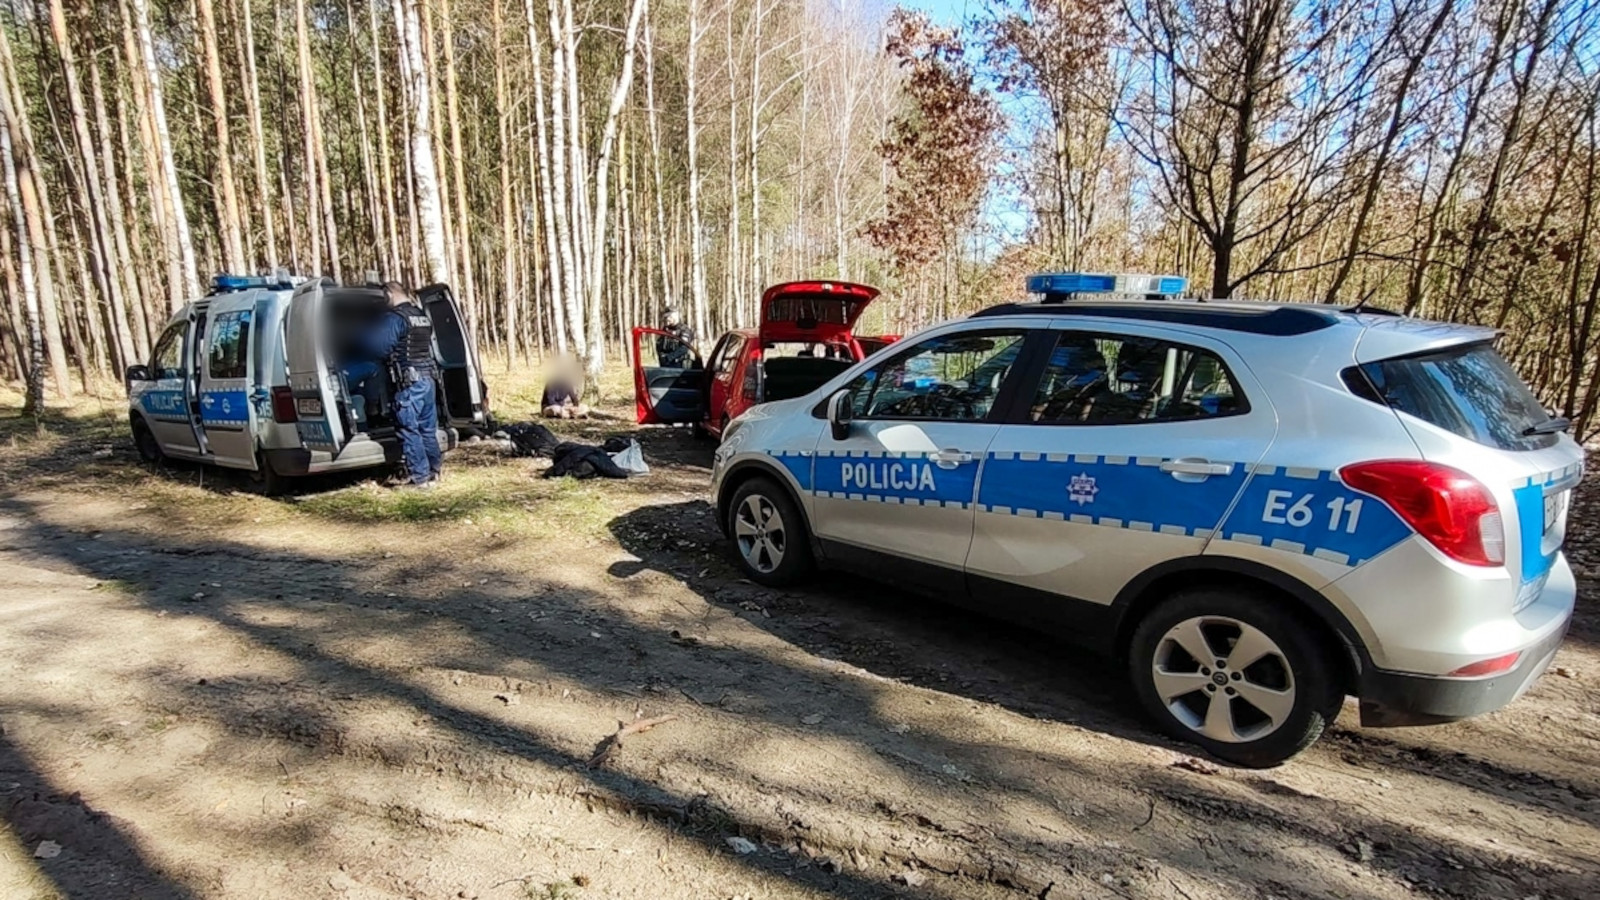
(169, 353)
(1470, 391)
(663, 351)
(723, 356)
(230, 345)
(954, 377)
(1105, 379)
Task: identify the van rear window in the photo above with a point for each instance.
(1468, 390)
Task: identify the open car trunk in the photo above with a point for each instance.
(324, 331)
(822, 312)
(787, 377)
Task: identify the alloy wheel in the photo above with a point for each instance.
(759, 529)
(1223, 678)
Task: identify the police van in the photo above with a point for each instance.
(249, 377)
(1256, 508)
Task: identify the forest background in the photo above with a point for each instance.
(573, 167)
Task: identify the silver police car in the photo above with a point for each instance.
(1260, 508)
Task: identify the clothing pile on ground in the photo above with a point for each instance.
(618, 457)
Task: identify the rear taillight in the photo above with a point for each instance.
(1450, 508)
(751, 389)
(283, 406)
(1487, 666)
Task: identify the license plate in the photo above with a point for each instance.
(1553, 504)
(308, 406)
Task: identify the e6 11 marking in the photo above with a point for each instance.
(1280, 511)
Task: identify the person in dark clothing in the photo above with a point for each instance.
(404, 338)
(561, 394)
(677, 350)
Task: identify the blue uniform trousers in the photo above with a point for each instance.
(417, 420)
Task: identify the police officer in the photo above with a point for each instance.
(404, 338)
(676, 351)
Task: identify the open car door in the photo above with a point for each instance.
(460, 374)
(669, 382)
(321, 413)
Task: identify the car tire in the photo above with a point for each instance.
(265, 480)
(1265, 690)
(144, 441)
(769, 534)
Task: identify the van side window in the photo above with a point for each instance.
(1104, 379)
(230, 345)
(169, 353)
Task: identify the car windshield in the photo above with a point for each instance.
(1470, 391)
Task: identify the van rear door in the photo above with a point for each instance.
(322, 417)
(460, 374)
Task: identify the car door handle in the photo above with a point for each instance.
(949, 459)
(1196, 467)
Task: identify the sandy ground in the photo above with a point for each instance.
(349, 693)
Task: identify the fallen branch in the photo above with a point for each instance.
(613, 742)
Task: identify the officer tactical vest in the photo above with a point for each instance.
(412, 357)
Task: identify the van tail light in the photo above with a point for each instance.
(283, 406)
(1488, 666)
(1453, 510)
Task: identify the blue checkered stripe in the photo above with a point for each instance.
(165, 405)
(225, 409)
(1529, 498)
(1132, 493)
(909, 479)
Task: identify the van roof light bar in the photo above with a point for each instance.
(225, 284)
(1058, 287)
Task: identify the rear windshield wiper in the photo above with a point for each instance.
(1548, 426)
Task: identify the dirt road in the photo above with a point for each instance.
(355, 694)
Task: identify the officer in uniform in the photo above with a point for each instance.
(404, 338)
(675, 352)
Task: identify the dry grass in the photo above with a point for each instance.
(85, 444)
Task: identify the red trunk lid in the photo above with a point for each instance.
(812, 311)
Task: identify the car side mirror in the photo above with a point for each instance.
(841, 410)
(136, 373)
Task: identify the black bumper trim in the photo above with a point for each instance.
(1390, 699)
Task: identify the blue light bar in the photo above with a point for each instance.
(222, 284)
(1090, 283)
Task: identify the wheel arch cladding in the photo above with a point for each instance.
(1146, 591)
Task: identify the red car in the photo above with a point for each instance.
(803, 340)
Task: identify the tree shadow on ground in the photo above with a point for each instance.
(98, 859)
(983, 662)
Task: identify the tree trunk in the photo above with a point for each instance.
(597, 236)
(33, 394)
(125, 267)
(228, 213)
(547, 178)
(88, 187)
(697, 265)
(466, 283)
(258, 140)
(560, 159)
(655, 162)
(508, 218)
(183, 284)
(429, 212)
(29, 214)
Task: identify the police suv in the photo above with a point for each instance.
(1260, 508)
(249, 377)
